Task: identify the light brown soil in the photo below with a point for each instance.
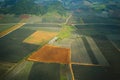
(51, 54)
(39, 36)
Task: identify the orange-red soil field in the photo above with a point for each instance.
(39, 36)
(51, 54)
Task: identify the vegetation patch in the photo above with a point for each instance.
(4, 66)
(65, 32)
(39, 36)
(51, 54)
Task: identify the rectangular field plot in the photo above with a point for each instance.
(97, 29)
(44, 27)
(11, 47)
(110, 52)
(90, 73)
(9, 19)
(51, 54)
(39, 36)
(92, 17)
(85, 51)
(34, 71)
(5, 26)
(97, 53)
(114, 36)
(42, 71)
(79, 53)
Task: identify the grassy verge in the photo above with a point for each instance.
(65, 32)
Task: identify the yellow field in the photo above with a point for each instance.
(51, 54)
(39, 36)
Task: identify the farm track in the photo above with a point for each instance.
(5, 32)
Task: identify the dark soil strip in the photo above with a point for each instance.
(89, 50)
(111, 54)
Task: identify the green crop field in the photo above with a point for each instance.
(109, 51)
(5, 26)
(90, 72)
(12, 47)
(8, 18)
(14, 50)
(44, 27)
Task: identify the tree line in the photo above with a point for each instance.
(30, 7)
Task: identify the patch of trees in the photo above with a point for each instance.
(30, 7)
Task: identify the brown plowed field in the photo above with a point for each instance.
(39, 36)
(51, 54)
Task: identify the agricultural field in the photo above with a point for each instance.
(86, 45)
(39, 37)
(115, 40)
(110, 52)
(14, 50)
(9, 18)
(36, 71)
(53, 17)
(90, 17)
(50, 17)
(51, 54)
(79, 52)
(43, 27)
(101, 44)
(13, 43)
(82, 72)
(5, 26)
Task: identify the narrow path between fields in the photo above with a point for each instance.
(15, 27)
(68, 19)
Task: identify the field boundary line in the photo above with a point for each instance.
(71, 70)
(68, 19)
(86, 64)
(95, 24)
(15, 27)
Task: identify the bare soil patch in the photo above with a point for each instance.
(39, 36)
(51, 54)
